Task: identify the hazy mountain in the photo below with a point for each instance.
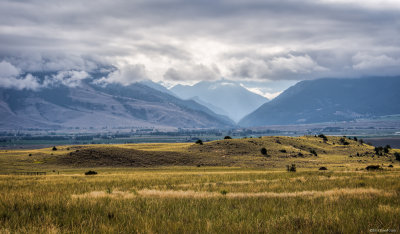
(227, 96)
(210, 106)
(326, 100)
(95, 106)
(156, 86)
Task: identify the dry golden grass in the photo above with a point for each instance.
(235, 189)
(361, 193)
(187, 199)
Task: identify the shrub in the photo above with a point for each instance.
(30, 154)
(224, 192)
(386, 149)
(390, 165)
(343, 141)
(373, 167)
(397, 155)
(54, 148)
(323, 169)
(313, 152)
(263, 151)
(283, 151)
(227, 137)
(200, 142)
(323, 137)
(355, 139)
(361, 141)
(379, 150)
(291, 168)
(90, 173)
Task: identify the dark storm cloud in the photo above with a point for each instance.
(201, 40)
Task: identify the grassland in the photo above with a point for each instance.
(220, 187)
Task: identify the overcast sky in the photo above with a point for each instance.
(256, 42)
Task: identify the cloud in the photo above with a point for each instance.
(179, 40)
(365, 61)
(67, 78)
(193, 72)
(290, 67)
(126, 75)
(7, 69)
(263, 92)
(10, 78)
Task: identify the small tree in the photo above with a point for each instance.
(379, 150)
(313, 152)
(397, 155)
(54, 148)
(291, 168)
(200, 142)
(227, 137)
(386, 149)
(343, 141)
(263, 151)
(91, 173)
(323, 137)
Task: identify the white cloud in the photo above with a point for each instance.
(263, 92)
(67, 78)
(365, 61)
(295, 64)
(9, 78)
(27, 82)
(277, 67)
(125, 75)
(7, 69)
(193, 72)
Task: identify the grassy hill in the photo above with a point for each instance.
(305, 152)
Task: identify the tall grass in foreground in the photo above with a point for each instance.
(137, 202)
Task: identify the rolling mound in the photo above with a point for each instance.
(282, 147)
(265, 152)
(306, 150)
(120, 157)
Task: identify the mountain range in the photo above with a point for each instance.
(207, 104)
(113, 105)
(223, 97)
(330, 99)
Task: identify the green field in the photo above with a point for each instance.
(223, 186)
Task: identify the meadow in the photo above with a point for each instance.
(228, 187)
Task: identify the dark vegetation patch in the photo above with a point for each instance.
(291, 168)
(373, 167)
(323, 169)
(91, 173)
(114, 156)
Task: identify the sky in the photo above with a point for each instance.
(266, 46)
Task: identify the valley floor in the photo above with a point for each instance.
(200, 200)
(226, 186)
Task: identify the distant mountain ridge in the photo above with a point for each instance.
(114, 105)
(225, 97)
(330, 99)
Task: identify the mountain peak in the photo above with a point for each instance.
(226, 95)
(329, 99)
